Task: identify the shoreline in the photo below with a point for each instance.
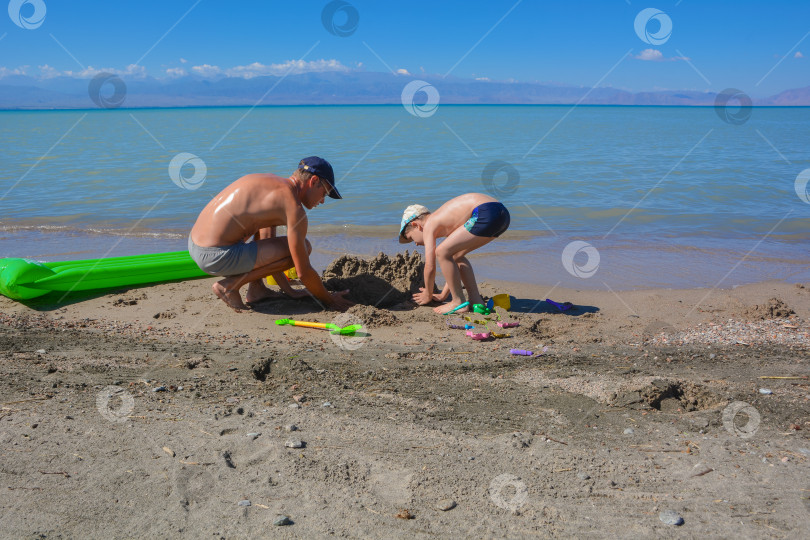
(526, 257)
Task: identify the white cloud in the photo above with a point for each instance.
(183, 60)
(292, 67)
(5, 72)
(401, 71)
(206, 70)
(256, 69)
(47, 72)
(176, 72)
(798, 54)
(486, 79)
(654, 55)
(132, 70)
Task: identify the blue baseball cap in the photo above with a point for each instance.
(323, 170)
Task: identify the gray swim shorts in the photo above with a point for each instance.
(224, 260)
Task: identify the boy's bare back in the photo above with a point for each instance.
(455, 212)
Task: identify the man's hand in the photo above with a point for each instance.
(339, 303)
(423, 297)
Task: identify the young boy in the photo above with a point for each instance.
(468, 221)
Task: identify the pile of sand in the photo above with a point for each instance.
(381, 282)
(775, 308)
(372, 317)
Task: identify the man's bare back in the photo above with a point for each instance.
(259, 201)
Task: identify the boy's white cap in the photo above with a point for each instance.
(411, 213)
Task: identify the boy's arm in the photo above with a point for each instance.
(425, 296)
(296, 238)
(442, 296)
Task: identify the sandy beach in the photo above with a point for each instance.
(160, 412)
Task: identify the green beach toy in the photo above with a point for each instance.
(333, 328)
(482, 309)
(24, 279)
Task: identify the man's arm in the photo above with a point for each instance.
(296, 237)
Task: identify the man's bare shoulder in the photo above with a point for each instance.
(265, 180)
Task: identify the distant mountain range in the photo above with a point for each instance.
(337, 88)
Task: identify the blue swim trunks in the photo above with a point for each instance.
(488, 220)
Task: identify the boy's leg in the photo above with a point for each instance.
(460, 241)
(273, 255)
(468, 279)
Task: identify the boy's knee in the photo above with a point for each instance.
(443, 254)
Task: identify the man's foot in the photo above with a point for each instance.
(258, 292)
(233, 299)
(450, 306)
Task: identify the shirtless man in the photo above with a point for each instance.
(469, 222)
(254, 206)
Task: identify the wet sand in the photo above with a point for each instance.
(155, 411)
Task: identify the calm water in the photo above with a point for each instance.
(667, 196)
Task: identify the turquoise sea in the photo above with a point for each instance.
(663, 196)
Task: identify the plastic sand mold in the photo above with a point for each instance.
(458, 324)
(479, 336)
(564, 306)
(481, 308)
(333, 328)
(524, 352)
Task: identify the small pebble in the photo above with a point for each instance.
(805, 451)
(670, 517)
(282, 520)
(712, 356)
(446, 504)
(244, 503)
(40, 351)
(326, 404)
(294, 443)
(253, 436)
(159, 389)
(583, 476)
(629, 431)
(294, 406)
(765, 391)
(290, 427)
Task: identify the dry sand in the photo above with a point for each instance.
(153, 412)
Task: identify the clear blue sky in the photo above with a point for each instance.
(731, 43)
